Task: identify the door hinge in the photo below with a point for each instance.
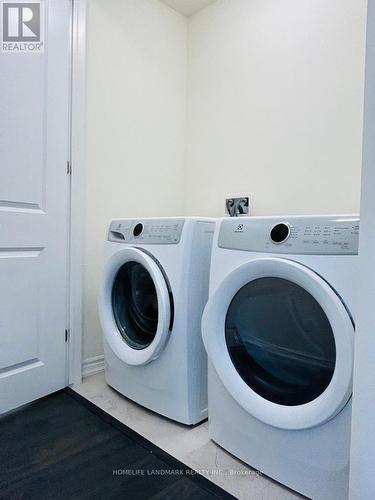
(68, 168)
(67, 335)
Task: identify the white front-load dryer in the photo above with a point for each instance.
(279, 329)
(154, 289)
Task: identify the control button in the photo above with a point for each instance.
(280, 233)
(137, 231)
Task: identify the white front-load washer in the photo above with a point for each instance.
(154, 289)
(278, 329)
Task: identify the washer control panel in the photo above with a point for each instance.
(297, 235)
(146, 231)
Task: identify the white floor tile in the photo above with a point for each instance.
(190, 445)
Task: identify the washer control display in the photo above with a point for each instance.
(323, 235)
(147, 232)
(280, 233)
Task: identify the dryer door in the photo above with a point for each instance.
(135, 306)
(281, 341)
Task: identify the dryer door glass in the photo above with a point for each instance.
(135, 305)
(280, 341)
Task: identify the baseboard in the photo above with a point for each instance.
(91, 366)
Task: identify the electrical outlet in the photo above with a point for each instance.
(238, 205)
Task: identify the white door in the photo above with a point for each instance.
(281, 341)
(135, 306)
(34, 189)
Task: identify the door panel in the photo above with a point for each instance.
(19, 318)
(23, 131)
(34, 188)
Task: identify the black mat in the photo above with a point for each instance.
(65, 447)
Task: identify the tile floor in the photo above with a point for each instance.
(189, 445)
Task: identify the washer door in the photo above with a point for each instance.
(281, 341)
(135, 307)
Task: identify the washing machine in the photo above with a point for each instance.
(278, 329)
(154, 289)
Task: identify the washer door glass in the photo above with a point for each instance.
(135, 305)
(280, 341)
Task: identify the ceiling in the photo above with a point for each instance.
(188, 7)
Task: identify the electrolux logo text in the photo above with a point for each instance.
(22, 27)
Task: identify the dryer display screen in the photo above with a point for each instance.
(135, 305)
(280, 341)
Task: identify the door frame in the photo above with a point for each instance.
(77, 191)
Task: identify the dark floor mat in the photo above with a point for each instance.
(64, 447)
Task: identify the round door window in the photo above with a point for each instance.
(280, 341)
(135, 305)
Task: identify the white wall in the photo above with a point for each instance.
(362, 460)
(136, 105)
(273, 92)
(275, 105)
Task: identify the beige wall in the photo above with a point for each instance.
(275, 105)
(136, 105)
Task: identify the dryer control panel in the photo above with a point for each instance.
(295, 235)
(146, 231)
